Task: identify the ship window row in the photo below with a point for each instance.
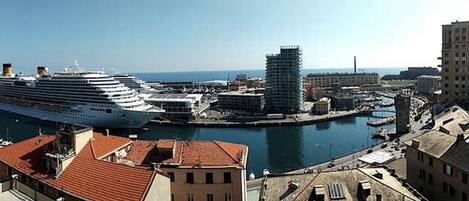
(78, 91)
(58, 99)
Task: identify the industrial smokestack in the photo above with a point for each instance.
(354, 64)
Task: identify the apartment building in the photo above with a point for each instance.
(454, 57)
(199, 170)
(438, 161)
(341, 79)
(77, 164)
(353, 184)
(428, 84)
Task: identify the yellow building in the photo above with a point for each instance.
(322, 106)
(199, 170)
(342, 79)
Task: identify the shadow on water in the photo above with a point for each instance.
(323, 125)
(352, 120)
(285, 147)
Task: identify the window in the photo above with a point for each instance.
(171, 176)
(448, 170)
(190, 197)
(227, 177)
(422, 174)
(446, 78)
(463, 196)
(172, 197)
(378, 197)
(430, 161)
(452, 192)
(456, 77)
(445, 187)
(190, 178)
(227, 196)
(209, 178)
(464, 178)
(430, 178)
(209, 197)
(420, 156)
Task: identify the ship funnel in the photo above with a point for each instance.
(7, 69)
(41, 71)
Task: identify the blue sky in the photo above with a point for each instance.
(160, 36)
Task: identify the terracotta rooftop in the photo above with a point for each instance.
(103, 145)
(86, 176)
(199, 153)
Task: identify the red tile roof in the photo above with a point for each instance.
(103, 145)
(166, 144)
(86, 176)
(191, 154)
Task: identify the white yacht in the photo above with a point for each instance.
(84, 97)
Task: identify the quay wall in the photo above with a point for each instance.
(264, 123)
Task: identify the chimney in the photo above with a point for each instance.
(7, 69)
(41, 71)
(460, 137)
(107, 132)
(378, 175)
(415, 143)
(354, 64)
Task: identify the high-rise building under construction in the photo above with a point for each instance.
(283, 86)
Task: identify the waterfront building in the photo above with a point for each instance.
(343, 103)
(413, 72)
(427, 84)
(454, 57)
(402, 105)
(199, 170)
(241, 101)
(342, 79)
(353, 184)
(78, 164)
(177, 106)
(322, 106)
(283, 86)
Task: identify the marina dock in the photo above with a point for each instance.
(380, 122)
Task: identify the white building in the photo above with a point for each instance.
(180, 106)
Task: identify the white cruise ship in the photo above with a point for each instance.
(135, 83)
(83, 97)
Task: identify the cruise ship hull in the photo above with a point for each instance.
(115, 119)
